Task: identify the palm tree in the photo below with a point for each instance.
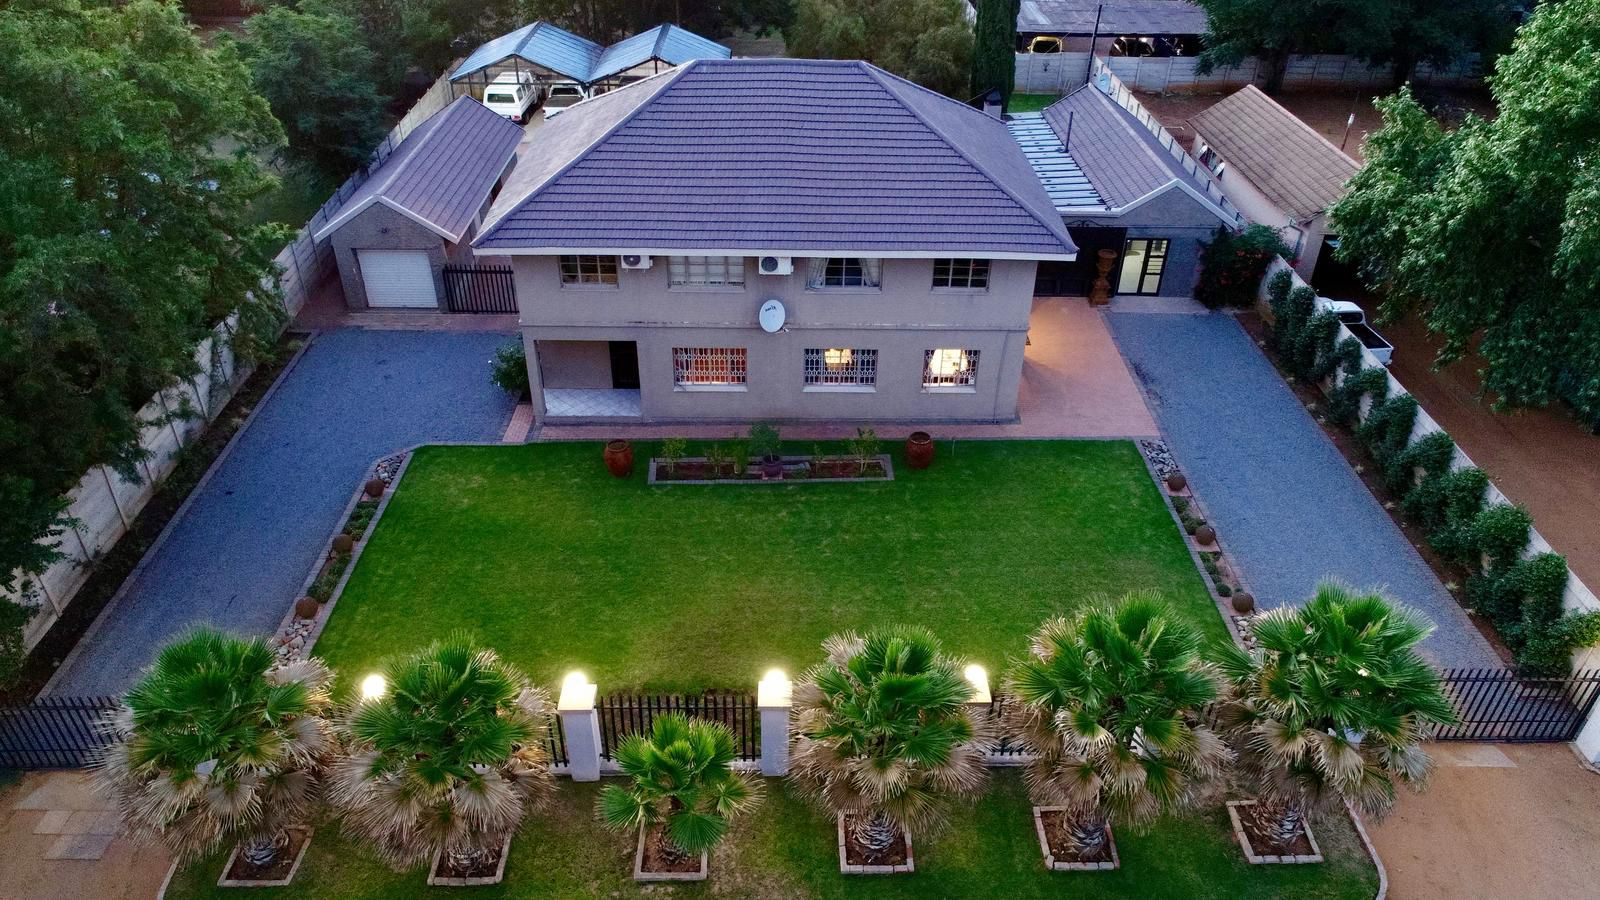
(1332, 706)
(884, 732)
(1109, 703)
(682, 780)
(449, 758)
(218, 743)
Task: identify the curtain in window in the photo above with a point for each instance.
(871, 272)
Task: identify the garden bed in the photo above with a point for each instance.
(855, 859)
(1249, 831)
(238, 872)
(1061, 854)
(698, 470)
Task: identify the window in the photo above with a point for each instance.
(706, 271)
(962, 274)
(588, 270)
(708, 367)
(844, 272)
(1143, 261)
(841, 367)
(500, 98)
(949, 368)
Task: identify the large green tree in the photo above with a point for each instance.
(926, 41)
(314, 69)
(123, 236)
(994, 53)
(1491, 233)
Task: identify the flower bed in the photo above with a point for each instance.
(700, 470)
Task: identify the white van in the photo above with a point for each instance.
(562, 95)
(512, 94)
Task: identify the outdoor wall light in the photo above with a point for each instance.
(577, 693)
(978, 677)
(774, 689)
(373, 687)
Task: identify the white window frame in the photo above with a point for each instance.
(960, 273)
(705, 273)
(840, 370)
(595, 280)
(732, 364)
(957, 374)
(870, 274)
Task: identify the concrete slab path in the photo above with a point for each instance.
(1286, 504)
(59, 840)
(237, 554)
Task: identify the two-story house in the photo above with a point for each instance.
(806, 240)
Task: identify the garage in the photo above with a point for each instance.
(398, 278)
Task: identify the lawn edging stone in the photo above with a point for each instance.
(437, 880)
(849, 868)
(1062, 865)
(225, 881)
(639, 874)
(1262, 859)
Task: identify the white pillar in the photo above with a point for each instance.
(580, 725)
(981, 698)
(774, 697)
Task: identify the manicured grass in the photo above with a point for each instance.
(1022, 103)
(786, 849)
(541, 554)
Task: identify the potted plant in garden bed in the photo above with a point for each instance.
(765, 445)
(218, 743)
(1109, 703)
(1330, 708)
(683, 793)
(886, 740)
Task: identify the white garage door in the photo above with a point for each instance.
(398, 278)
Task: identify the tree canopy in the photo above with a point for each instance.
(123, 236)
(994, 54)
(1491, 232)
(925, 41)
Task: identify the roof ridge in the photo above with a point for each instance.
(1055, 229)
(662, 31)
(1296, 120)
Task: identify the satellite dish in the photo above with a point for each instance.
(772, 316)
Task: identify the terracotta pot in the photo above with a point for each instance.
(1243, 602)
(1205, 534)
(771, 467)
(342, 543)
(375, 487)
(1176, 482)
(306, 607)
(919, 450)
(619, 458)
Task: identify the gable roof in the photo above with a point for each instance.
(668, 43)
(1295, 167)
(775, 156)
(442, 173)
(1147, 18)
(540, 43)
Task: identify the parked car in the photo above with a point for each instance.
(1355, 319)
(512, 94)
(1044, 44)
(562, 95)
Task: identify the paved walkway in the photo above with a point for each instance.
(58, 841)
(239, 552)
(1286, 504)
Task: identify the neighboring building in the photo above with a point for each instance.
(769, 238)
(421, 208)
(1118, 189)
(1277, 169)
(553, 55)
(1112, 28)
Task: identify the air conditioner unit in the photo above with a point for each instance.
(635, 261)
(776, 265)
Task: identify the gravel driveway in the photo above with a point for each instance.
(1287, 505)
(240, 551)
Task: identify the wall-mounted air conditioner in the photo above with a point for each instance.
(635, 261)
(776, 265)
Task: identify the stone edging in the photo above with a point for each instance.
(305, 844)
(910, 865)
(1268, 859)
(639, 874)
(1372, 851)
(1056, 865)
(499, 871)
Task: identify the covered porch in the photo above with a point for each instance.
(584, 380)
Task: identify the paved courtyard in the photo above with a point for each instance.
(59, 841)
(1286, 505)
(239, 552)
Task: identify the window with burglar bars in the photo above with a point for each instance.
(961, 274)
(706, 271)
(949, 368)
(844, 272)
(841, 366)
(588, 270)
(708, 366)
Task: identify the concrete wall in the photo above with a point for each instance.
(901, 320)
(380, 228)
(1057, 73)
(575, 364)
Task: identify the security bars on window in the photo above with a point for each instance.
(588, 270)
(949, 367)
(706, 271)
(692, 366)
(841, 366)
(963, 274)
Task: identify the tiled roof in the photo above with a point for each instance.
(442, 173)
(1117, 17)
(541, 43)
(1120, 156)
(1294, 166)
(668, 43)
(1062, 177)
(773, 155)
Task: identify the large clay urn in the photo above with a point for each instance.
(919, 450)
(1100, 291)
(619, 458)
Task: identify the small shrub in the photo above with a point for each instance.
(1501, 532)
(1232, 265)
(509, 369)
(1344, 403)
(817, 458)
(672, 450)
(1432, 453)
(1387, 429)
(1550, 653)
(741, 460)
(1462, 494)
(764, 440)
(864, 446)
(1224, 589)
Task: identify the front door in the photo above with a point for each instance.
(1073, 279)
(624, 365)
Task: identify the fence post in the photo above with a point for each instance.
(774, 697)
(580, 722)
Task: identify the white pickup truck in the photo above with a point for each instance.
(1355, 319)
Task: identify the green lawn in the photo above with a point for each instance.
(1023, 103)
(540, 553)
(786, 849)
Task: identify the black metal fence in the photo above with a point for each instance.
(1501, 706)
(479, 289)
(55, 732)
(625, 714)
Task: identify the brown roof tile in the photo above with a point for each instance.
(1293, 165)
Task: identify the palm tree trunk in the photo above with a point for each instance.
(467, 857)
(1088, 833)
(261, 849)
(1280, 822)
(875, 834)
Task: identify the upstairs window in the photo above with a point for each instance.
(706, 271)
(961, 274)
(844, 272)
(841, 367)
(589, 270)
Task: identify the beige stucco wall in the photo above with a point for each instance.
(1305, 238)
(575, 364)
